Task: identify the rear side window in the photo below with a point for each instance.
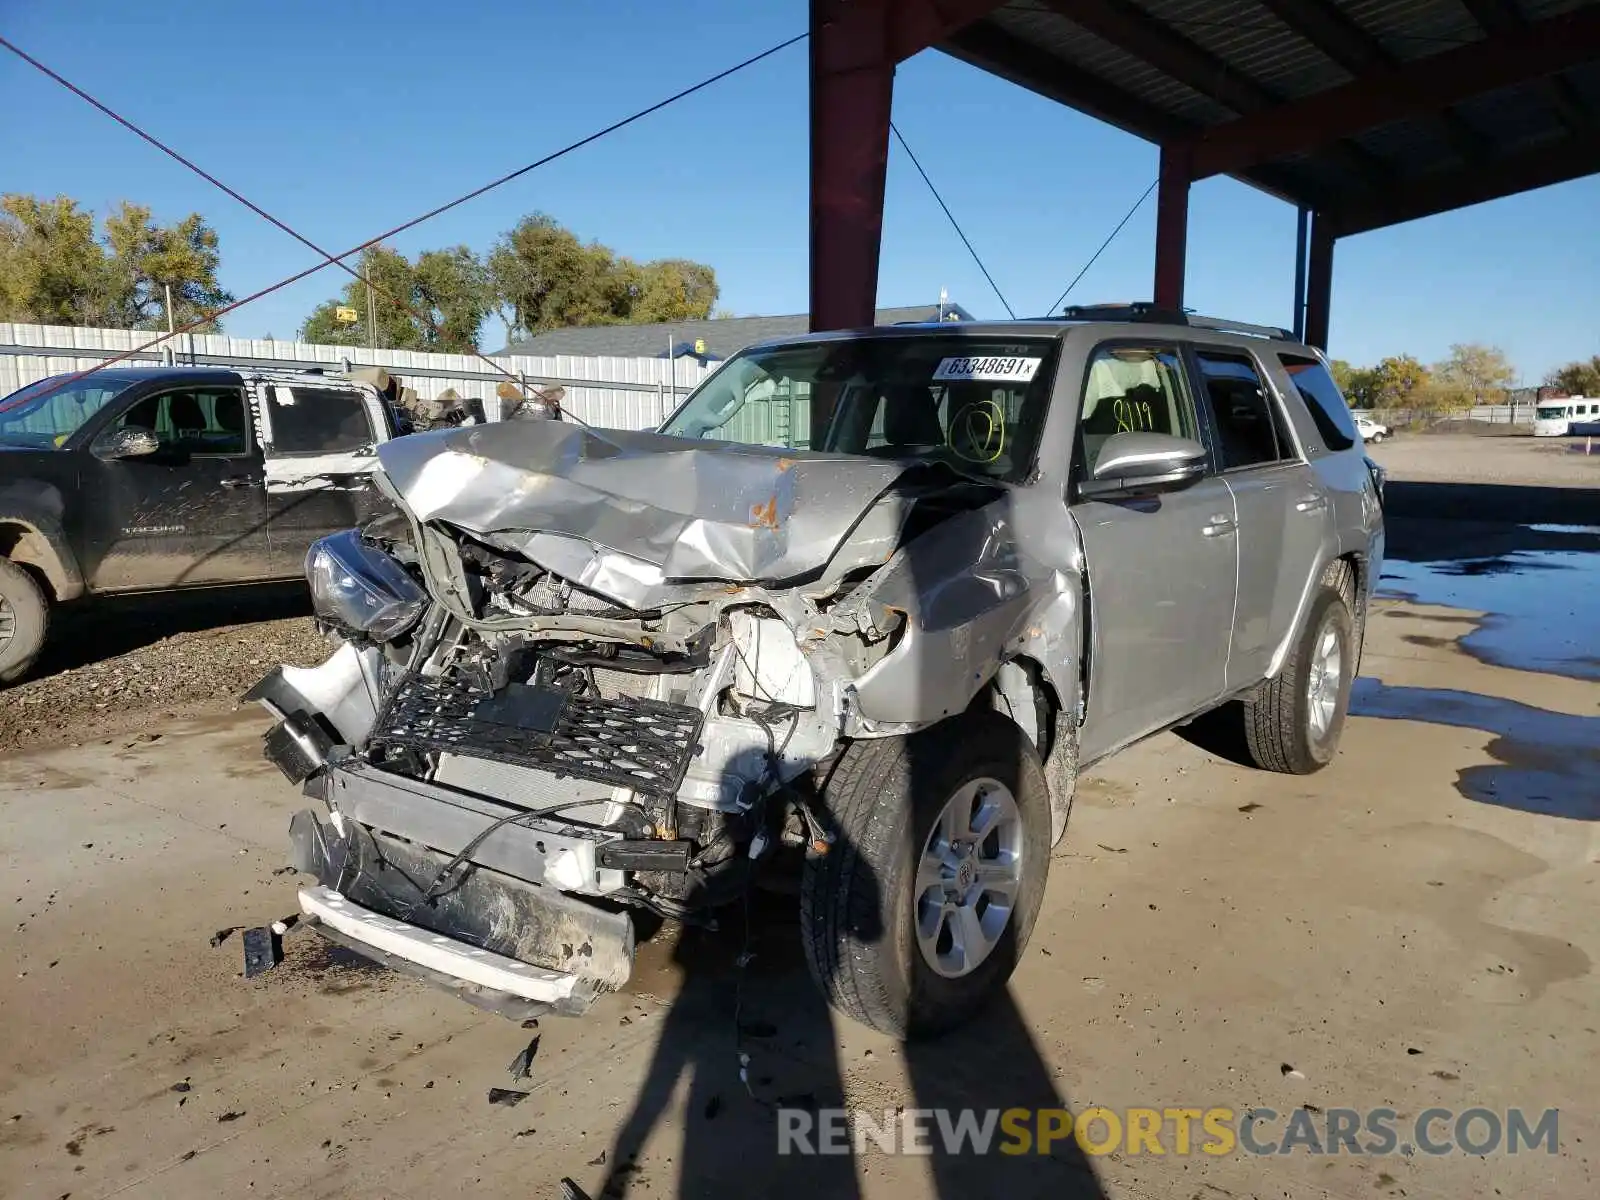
(317, 420)
(1329, 412)
(1249, 429)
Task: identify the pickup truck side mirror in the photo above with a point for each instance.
(1140, 464)
(127, 441)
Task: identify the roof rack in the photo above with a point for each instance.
(1140, 311)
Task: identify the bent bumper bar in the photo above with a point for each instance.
(435, 952)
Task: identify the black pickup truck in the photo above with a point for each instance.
(149, 479)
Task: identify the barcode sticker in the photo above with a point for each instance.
(988, 370)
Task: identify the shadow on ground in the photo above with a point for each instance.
(768, 1018)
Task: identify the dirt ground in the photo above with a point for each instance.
(1412, 927)
(135, 665)
(1512, 459)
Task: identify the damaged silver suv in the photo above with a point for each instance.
(864, 605)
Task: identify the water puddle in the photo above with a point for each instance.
(1546, 762)
(1543, 606)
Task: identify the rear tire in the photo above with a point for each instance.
(24, 619)
(918, 913)
(1294, 722)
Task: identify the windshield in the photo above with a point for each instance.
(976, 404)
(45, 414)
(1549, 411)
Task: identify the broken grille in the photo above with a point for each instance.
(626, 742)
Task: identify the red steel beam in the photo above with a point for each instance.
(855, 45)
(1420, 86)
(1172, 228)
(1571, 158)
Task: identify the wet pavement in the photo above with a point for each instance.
(1539, 596)
(1541, 606)
(1546, 762)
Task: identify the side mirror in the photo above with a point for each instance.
(1139, 464)
(128, 441)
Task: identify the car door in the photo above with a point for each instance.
(1161, 568)
(321, 449)
(1283, 508)
(192, 512)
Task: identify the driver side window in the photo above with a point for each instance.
(203, 421)
(1132, 389)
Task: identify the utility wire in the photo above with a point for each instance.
(1126, 217)
(336, 259)
(956, 225)
(223, 187)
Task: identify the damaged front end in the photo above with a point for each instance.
(586, 674)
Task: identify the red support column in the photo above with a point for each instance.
(852, 87)
(1319, 281)
(1172, 227)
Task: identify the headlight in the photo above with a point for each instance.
(361, 588)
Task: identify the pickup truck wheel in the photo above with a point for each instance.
(1294, 724)
(24, 616)
(919, 911)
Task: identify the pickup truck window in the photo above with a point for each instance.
(1248, 426)
(196, 421)
(45, 414)
(1133, 389)
(1329, 413)
(317, 420)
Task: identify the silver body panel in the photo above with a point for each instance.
(1126, 616)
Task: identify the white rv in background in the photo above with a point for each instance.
(1554, 418)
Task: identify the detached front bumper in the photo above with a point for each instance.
(496, 940)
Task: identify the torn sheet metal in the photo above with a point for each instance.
(678, 510)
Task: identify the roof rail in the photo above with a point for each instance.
(1223, 325)
(1141, 311)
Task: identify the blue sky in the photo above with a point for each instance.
(347, 118)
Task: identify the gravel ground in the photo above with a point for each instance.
(159, 679)
(1464, 458)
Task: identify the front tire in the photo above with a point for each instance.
(920, 910)
(1293, 724)
(24, 617)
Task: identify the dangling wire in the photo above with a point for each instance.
(1126, 217)
(956, 225)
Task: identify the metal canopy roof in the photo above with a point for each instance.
(1370, 112)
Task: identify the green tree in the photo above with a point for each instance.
(445, 295)
(54, 270)
(147, 259)
(673, 289)
(544, 277)
(1355, 382)
(1343, 374)
(1398, 381)
(1577, 378)
(1474, 374)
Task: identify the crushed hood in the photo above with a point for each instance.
(631, 514)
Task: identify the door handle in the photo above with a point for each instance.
(1311, 504)
(1219, 524)
(238, 481)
